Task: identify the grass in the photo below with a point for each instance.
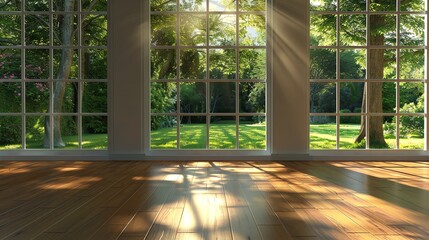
(323, 136)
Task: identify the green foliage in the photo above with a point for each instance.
(10, 130)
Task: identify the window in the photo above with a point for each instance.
(53, 74)
(208, 74)
(367, 74)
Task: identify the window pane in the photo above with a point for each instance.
(68, 103)
(323, 5)
(37, 97)
(252, 97)
(94, 5)
(349, 130)
(353, 64)
(415, 5)
(383, 5)
(412, 30)
(222, 63)
(94, 97)
(37, 30)
(37, 63)
(10, 5)
(351, 94)
(323, 133)
(252, 30)
(222, 97)
(192, 97)
(94, 30)
(352, 5)
(382, 30)
(94, 132)
(222, 5)
(353, 30)
(412, 95)
(193, 30)
(10, 95)
(10, 30)
(65, 35)
(66, 63)
(94, 64)
(162, 5)
(35, 132)
(193, 5)
(10, 132)
(68, 131)
(252, 131)
(252, 5)
(412, 132)
(163, 97)
(10, 63)
(163, 64)
(193, 64)
(222, 30)
(389, 97)
(163, 132)
(163, 30)
(59, 5)
(222, 134)
(378, 138)
(193, 132)
(41, 5)
(412, 64)
(252, 64)
(322, 97)
(323, 64)
(323, 30)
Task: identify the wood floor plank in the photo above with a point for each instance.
(243, 224)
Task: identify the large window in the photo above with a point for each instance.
(208, 74)
(53, 74)
(367, 74)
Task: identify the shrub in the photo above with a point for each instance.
(10, 130)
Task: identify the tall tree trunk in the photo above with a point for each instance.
(63, 73)
(374, 92)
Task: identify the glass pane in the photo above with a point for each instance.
(382, 30)
(37, 97)
(222, 30)
(10, 30)
(59, 5)
(163, 64)
(252, 64)
(163, 30)
(381, 97)
(66, 63)
(66, 132)
(222, 97)
(412, 132)
(94, 132)
(94, 30)
(222, 63)
(412, 64)
(10, 132)
(41, 5)
(94, 97)
(415, 5)
(162, 5)
(349, 131)
(36, 30)
(193, 97)
(193, 64)
(193, 5)
(351, 94)
(353, 64)
(252, 97)
(352, 5)
(378, 138)
(252, 131)
(323, 30)
(10, 95)
(37, 63)
(412, 30)
(193, 29)
(163, 133)
(94, 5)
(163, 97)
(222, 133)
(323, 64)
(322, 97)
(389, 97)
(193, 132)
(65, 35)
(252, 30)
(94, 64)
(222, 5)
(252, 5)
(35, 132)
(323, 5)
(323, 132)
(10, 63)
(353, 30)
(412, 95)
(10, 5)
(66, 103)
(383, 5)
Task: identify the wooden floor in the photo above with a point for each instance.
(214, 200)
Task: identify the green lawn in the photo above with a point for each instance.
(323, 136)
